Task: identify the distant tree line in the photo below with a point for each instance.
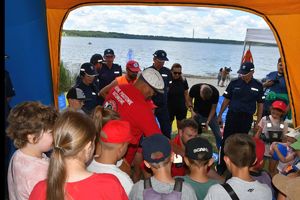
(101, 34)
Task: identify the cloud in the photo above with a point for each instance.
(165, 21)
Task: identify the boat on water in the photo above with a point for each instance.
(89, 43)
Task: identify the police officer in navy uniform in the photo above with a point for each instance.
(109, 71)
(88, 86)
(161, 100)
(242, 97)
(97, 61)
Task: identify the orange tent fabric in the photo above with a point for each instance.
(248, 57)
(283, 17)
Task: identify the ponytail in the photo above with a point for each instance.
(72, 132)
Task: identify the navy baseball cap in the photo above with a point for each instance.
(89, 69)
(96, 58)
(198, 149)
(161, 55)
(109, 52)
(246, 68)
(156, 148)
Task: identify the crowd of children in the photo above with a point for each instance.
(118, 151)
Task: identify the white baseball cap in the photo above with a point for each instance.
(294, 134)
(154, 79)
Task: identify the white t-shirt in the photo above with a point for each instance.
(245, 190)
(24, 172)
(125, 180)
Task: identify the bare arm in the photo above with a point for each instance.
(177, 149)
(259, 131)
(281, 157)
(212, 112)
(190, 105)
(268, 83)
(259, 115)
(104, 91)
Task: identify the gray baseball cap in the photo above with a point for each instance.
(76, 93)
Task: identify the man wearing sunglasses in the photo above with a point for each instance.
(161, 100)
(109, 70)
(243, 96)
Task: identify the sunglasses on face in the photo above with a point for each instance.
(177, 73)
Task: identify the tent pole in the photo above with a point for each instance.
(243, 51)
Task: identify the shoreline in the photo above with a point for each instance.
(195, 79)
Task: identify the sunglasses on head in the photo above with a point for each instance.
(177, 73)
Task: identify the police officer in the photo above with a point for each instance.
(109, 71)
(242, 97)
(160, 100)
(88, 86)
(97, 61)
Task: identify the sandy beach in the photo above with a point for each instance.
(192, 80)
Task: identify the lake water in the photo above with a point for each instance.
(203, 59)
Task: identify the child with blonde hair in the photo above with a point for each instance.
(30, 128)
(74, 136)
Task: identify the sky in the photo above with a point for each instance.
(215, 23)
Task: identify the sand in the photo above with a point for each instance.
(192, 80)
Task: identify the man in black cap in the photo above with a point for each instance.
(88, 86)
(97, 61)
(243, 96)
(109, 71)
(160, 100)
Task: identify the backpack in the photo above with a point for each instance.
(150, 194)
(275, 132)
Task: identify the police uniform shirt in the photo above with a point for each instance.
(161, 99)
(243, 96)
(91, 93)
(107, 75)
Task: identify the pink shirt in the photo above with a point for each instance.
(24, 172)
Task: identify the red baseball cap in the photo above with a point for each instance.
(260, 151)
(279, 105)
(116, 131)
(133, 66)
